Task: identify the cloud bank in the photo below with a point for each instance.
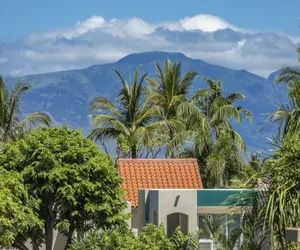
(96, 41)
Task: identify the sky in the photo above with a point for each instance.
(43, 36)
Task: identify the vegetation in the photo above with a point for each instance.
(12, 127)
(168, 92)
(217, 146)
(243, 237)
(131, 119)
(282, 196)
(17, 210)
(55, 178)
(287, 117)
(61, 169)
(151, 238)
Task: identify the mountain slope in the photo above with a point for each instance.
(66, 94)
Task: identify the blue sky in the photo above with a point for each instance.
(42, 36)
(35, 15)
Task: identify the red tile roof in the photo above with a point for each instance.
(158, 174)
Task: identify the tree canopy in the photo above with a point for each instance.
(74, 183)
(17, 209)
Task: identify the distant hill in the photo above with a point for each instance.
(66, 94)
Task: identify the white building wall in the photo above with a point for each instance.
(164, 200)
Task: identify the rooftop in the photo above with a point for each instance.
(158, 174)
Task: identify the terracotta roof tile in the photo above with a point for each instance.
(158, 173)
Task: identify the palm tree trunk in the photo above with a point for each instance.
(171, 138)
(133, 152)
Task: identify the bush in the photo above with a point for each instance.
(151, 238)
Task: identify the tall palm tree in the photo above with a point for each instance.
(168, 91)
(131, 118)
(287, 117)
(219, 110)
(12, 127)
(214, 141)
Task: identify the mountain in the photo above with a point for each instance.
(66, 94)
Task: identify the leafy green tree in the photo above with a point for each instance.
(151, 237)
(76, 185)
(217, 146)
(12, 127)
(131, 117)
(116, 238)
(17, 210)
(123, 147)
(154, 238)
(168, 91)
(158, 143)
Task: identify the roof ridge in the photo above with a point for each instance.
(157, 159)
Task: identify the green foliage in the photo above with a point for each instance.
(123, 147)
(75, 183)
(167, 92)
(17, 214)
(251, 240)
(151, 238)
(282, 196)
(215, 229)
(11, 125)
(287, 117)
(154, 238)
(217, 146)
(117, 238)
(184, 242)
(131, 118)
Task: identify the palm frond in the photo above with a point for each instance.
(187, 82)
(235, 136)
(189, 111)
(235, 96)
(287, 75)
(99, 103)
(227, 112)
(103, 133)
(179, 139)
(32, 121)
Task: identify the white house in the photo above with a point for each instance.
(170, 191)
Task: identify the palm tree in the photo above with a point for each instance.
(214, 141)
(219, 110)
(168, 91)
(287, 117)
(12, 127)
(131, 118)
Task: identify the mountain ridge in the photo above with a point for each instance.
(66, 94)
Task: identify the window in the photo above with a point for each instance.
(177, 220)
(222, 224)
(206, 244)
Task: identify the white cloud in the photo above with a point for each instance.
(96, 40)
(91, 23)
(207, 23)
